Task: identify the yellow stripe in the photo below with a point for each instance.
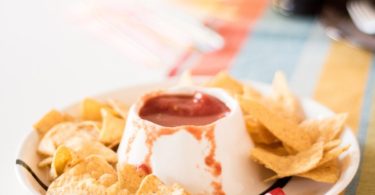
(343, 80)
(366, 181)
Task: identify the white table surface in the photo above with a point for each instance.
(47, 63)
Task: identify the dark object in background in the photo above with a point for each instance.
(338, 25)
(298, 7)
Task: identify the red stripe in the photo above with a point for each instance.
(234, 34)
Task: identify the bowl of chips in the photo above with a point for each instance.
(300, 147)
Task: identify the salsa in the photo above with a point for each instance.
(172, 110)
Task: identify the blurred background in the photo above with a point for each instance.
(55, 52)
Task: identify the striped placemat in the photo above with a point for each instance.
(335, 73)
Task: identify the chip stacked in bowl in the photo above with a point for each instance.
(286, 141)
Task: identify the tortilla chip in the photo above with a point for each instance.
(90, 163)
(90, 109)
(84, 148)
(129, 177)
(107, 179)
(326, 129)
(285, 130)
(333, 154)
(61, 158)
(120, 108)
(311, 126)
(224, 81)
(250, 92)
(275, 148)
(49, 120)
(289, 149)
(284, 100)
(115, 189)
(291, 164)
(152, 185)
(76, 185)
(332, 127)
(46, 162)
(259, 133)
(328, 172)
(86, 177)
(331, 144)
(112, 128)
(62, 132)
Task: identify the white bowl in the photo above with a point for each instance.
(349, 159)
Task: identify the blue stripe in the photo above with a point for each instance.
(364, 125)
(275, 43)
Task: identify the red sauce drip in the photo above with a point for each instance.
(144, 168)
(196, 132)
(131, 140)
(210, 160)
(218, 189)
(212, 163)
(183, 109)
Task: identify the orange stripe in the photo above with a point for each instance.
(234, 34)
(343, 80)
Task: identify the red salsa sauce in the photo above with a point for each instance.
(173, 110)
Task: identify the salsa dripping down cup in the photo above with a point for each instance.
(204, 155)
